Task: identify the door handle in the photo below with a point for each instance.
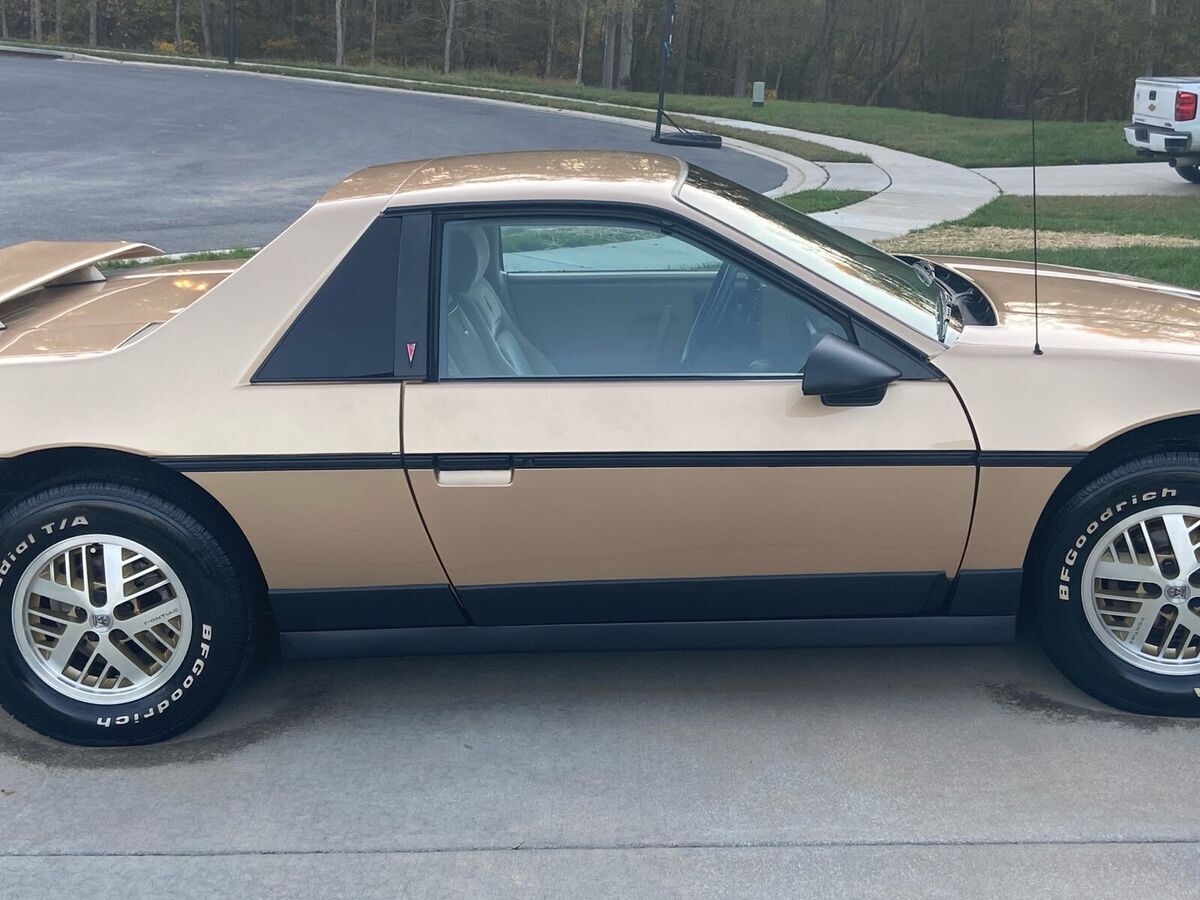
(473, 471)
(474, 477)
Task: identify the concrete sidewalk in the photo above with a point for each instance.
(921, 192)
(1111, 179)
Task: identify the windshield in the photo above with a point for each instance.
(879, 278)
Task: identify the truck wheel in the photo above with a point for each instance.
(1119, 587)
(1189, 173)
(123, 619)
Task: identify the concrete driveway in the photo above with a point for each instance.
(190, 159)
(933, 772)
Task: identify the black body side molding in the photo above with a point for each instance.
(874, 632)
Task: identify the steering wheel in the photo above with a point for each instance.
(709, 314)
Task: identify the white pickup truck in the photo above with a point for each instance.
(1165, 123)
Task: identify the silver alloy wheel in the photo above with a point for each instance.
(101, 619)
(1141, 590)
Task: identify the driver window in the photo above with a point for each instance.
(589, 297)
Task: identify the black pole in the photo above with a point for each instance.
(668, 29)
(231, 32)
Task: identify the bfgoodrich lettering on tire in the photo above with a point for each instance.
(125, 619)
(1119, 589)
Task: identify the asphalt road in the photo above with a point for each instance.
(934, 772)
(189, 159)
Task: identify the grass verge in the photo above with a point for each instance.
(1179, 216)
(821, 201)
(1169, 265)
(1150, 237)
(198, 256)
(959, 140)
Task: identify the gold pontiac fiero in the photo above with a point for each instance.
(536, 401)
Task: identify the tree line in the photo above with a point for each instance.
(962, 57)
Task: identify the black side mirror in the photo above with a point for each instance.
(844, 374)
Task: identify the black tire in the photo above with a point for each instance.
(1163, 479)
(1189, 173)
(222, 604)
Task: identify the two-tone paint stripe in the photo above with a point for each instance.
(619, 460)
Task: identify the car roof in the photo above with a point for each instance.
(538, 174)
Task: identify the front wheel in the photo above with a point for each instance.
(1119, 586)
(1189, 173)
(125, 620)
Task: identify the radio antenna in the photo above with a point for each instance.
(1037, 344)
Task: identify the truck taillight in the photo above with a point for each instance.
(1185, 106)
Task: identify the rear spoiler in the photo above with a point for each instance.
(36, 264)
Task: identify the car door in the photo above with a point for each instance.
(614, 430)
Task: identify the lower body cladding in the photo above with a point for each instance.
(882, 609)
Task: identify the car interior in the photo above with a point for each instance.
(529, 298)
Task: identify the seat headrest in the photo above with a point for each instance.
(468, 257)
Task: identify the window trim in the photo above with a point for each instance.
(261, 374)
(913, 364)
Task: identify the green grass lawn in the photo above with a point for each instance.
(954, 139)
(199, 256)
(820, 201)
(1172, 265)
(1084, 220)
(1109, 215)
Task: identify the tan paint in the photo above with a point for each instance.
(598, 524)
(673, 416)
(1119, 353)
(185, 389)
(580, 524)
(24, 267)
(329, 528)
(96, 316)
(1010, 501)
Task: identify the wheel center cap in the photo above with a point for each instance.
(1177, 592)
(101, 622)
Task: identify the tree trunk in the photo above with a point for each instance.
(610, 51)
(583, 17)
(551, 36)
(825, 59)
(897, 58)
(205, 33)
(451, 10)
(680, 51)
(339, 33)
(3, 21)
(626, 69)
(58, 21)
(374, 27)
(178, 25)
(741, 67)
(92, 4)
(35, 19)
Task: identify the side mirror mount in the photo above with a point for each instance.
(844, 374)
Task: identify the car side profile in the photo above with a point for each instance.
(556, 400)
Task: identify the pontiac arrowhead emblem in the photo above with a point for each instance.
(412, 351)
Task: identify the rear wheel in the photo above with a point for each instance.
(1189, 173)
(1119, 603)
(126, 618)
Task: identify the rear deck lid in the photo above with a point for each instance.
(36, 264)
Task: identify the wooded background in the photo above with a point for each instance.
(963, 57)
